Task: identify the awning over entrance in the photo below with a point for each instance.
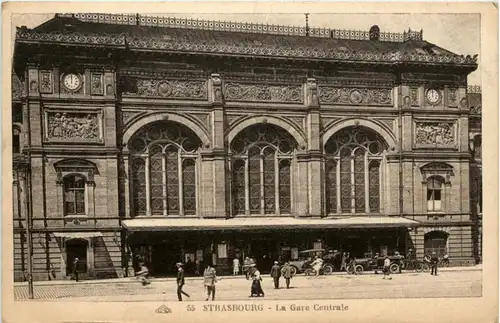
(252, 223)
(77, 234)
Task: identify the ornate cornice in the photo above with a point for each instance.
(293, 48)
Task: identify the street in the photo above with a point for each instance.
(455, 283)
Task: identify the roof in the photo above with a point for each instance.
(71, 31)
(249, 223)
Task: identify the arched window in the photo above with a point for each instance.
(353, 171)
(436, 241)
(262, 158)
(164, 159)
(74, 195)
(434, 193)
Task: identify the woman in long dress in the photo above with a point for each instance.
(256, 290)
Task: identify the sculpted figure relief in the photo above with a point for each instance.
(429, 133)
(78, 125)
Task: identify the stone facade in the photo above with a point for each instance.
(91, 133)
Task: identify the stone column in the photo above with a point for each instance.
(301, 187)
(218, 152)
(316, 161)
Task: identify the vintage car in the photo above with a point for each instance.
(368, 263)
(306, 257)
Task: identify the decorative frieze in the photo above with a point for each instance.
(435, 133)
(18, 90)
(263, 92)
(73, 126)
(355, 96)
(172, 89)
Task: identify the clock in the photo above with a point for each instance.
(72, 82)
(433, 96)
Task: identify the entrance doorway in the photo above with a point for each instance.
(76, 248)
(163, 259)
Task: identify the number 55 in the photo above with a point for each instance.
(191, 308)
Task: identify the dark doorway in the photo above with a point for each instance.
(163, 260)
(355, 245)
(76, 248)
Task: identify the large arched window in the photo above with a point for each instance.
(353, 171)
(164, 159)
(262, 157)
(436, 241)
(74, 195)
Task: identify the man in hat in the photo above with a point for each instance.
(434, 263)
(210, 278)
(76, 267)
(180, 281)
(275, 274)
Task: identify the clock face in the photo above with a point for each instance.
(72, 82)
(433, 96)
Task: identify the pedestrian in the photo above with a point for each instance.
(143, 274)
(409, 259)
(343, 262)
(434, 263)
(210, 278)
(247, 266)
(256, 289)
(287, 273)
(275, 274)
(317, 264)
(76, 267)
(236, 266)
(387, 265)
(198, 266)
(180, 281)
(400, 260)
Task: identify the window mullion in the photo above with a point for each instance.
(353, 186)
(247, 187)
(337, 170)
(164, 182)
(262, 200)
(367, 185)
(180, 181)
(276, 183)
(148, 188)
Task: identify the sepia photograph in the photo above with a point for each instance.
(231, 160)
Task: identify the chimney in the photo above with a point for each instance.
(374, 33)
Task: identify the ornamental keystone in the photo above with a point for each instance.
(215, 89)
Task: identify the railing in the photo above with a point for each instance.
(232, 26)
(473, 89)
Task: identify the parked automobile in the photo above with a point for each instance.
(368, 263)
(306, 257)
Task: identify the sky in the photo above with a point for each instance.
(458, 33)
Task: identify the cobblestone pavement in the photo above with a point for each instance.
(406, 285)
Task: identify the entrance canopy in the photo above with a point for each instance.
(253, 223)
(77, 234)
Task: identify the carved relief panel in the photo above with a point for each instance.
(438, 133)
(263, 92)
(170, 89)
(355, 96)
(84, 126)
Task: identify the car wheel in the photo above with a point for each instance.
(358, 270)
(293, 271)
(419, 268)
(327, 270)
(350, 269)
(394, 268)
